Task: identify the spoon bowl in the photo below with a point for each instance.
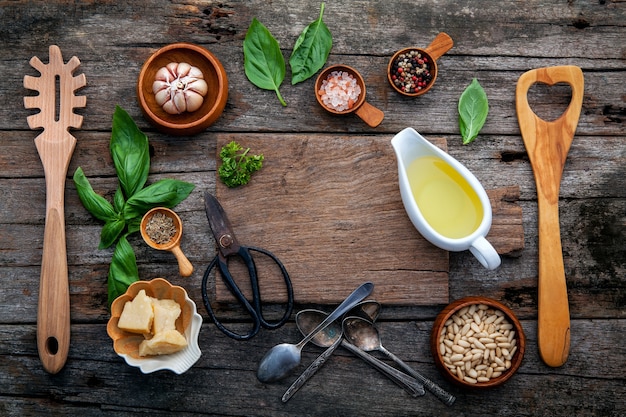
(308, 319)
(283, 358)
(173, 245)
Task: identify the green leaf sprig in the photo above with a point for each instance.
(237, 165)
(264, 63)
(473, 110)
(311, 50)
(132, 199)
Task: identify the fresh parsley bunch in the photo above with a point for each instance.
(237, 165)
(130, 152)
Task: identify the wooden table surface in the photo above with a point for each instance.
(494, 42)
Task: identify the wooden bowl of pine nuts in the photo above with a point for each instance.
(477, 342)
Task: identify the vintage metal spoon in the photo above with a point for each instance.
(364, 335)
(368, 309)
(311, 317)
(282, 358)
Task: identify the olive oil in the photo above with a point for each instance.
(446, 200)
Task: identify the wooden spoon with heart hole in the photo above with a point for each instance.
(547, 144)
(55, 146)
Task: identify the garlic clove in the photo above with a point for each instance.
(193, 101)
(170, 108)
(162, 96)
(159, 85)
(180, 101)
(195, 73)
(198, 86)
(172, 68)
(183, 69)
(164, 74)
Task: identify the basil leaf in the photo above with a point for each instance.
(166, 193)
(111, 230)
(95, 204)
(130, 152)
(473, 110)
(263, 62)
(311, 50)
(123, 269)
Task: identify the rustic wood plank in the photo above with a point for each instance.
(329, 208)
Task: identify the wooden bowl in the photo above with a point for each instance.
(439, 46)
(445, 324)
(126, 344)
(187, 123)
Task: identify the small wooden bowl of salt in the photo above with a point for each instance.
(162, 229)
(340, 89)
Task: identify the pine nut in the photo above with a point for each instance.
(456, 357)
(464, 343)
(458, 349)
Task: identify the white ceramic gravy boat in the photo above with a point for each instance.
(438, 217)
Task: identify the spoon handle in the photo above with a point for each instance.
(310, 371)
(411, 386)
(436, 390)
(353, 299)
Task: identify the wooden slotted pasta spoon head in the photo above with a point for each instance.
(547, 144)
(55, 146)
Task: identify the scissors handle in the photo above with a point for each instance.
(254, 309)
(256, 323)
(255, 286)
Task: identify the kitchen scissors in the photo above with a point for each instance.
(229, 247)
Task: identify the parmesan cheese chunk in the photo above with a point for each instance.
(163, 343)
(165, 314)
(137, 315)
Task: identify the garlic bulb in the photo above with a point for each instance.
(179, 87)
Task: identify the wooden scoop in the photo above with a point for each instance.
(547, 144)
(173, 245)
(55, 146)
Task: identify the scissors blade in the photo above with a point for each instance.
(220, 226)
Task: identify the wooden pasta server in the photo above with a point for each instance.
(55, 146)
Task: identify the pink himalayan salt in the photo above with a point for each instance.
(339, 91)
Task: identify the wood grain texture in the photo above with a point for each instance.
(495, 42)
